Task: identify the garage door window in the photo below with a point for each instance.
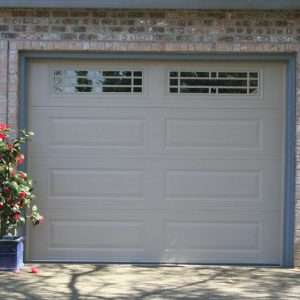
(214, 82)
(97, 81)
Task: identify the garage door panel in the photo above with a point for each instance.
(222, 185)
(222, 134)
(108, 234)
(88, 235)
(240, 238)
(193, 236)
(84, 131)
(89, 183)
(213, 133)
(270, 74)
(105, 132)
(185, 237)
(167, 184)
(101, 183)
(155, 93)
(191, 184)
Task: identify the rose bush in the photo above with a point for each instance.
(16, 197)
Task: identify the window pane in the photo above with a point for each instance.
(194, 90)
(232, 91)
(253, 82)
(173, 81)
(57, 89)
(212, 82)
(83, 89)
(137, 73)
(58, 73)
(111, 89)
(116, 81)
(215, 82)
(194, 74)
(173, 90)
(137, 81)
(117, 73)
(57, 80)
(97, 81)
(253, 75)
(232, 75)
(137, 89)
(173, 74)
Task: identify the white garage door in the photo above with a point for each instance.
(157, 161)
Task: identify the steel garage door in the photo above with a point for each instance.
(157, 161)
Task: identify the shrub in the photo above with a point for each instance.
(16, 197)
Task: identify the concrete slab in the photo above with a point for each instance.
(87, 281)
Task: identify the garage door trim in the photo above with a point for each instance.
(290, 125)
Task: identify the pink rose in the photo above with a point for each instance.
(22, 175)
(22, 195)
(6, 190)
(20, 159)
(3, 127)
(2, 136)
(34, 270)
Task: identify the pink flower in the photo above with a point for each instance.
(42, 219)
(2, 136)
(17, 216)
(9, 146)
(3, 127)
(22, 175)
(1, 204)
(20, 159)
(22, 195)
(34, 270)
(14, 173)
(6, 190)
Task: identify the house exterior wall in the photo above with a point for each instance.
(145, 31)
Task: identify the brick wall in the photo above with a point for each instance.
(154, 26)
(154, 31)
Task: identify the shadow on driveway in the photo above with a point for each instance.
(86, 281)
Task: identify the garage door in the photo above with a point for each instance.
(157, 161)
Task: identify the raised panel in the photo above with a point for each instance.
(96, 234)
(222, 237)
(224, 134)
(87, 132)
(222, 185)
(96, 183)
(213, 133)
(201, 184)
(218, 236)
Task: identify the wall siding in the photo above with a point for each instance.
(147, 31)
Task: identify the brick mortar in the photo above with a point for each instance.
(151, 31)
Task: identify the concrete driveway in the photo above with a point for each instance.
(86, 281)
